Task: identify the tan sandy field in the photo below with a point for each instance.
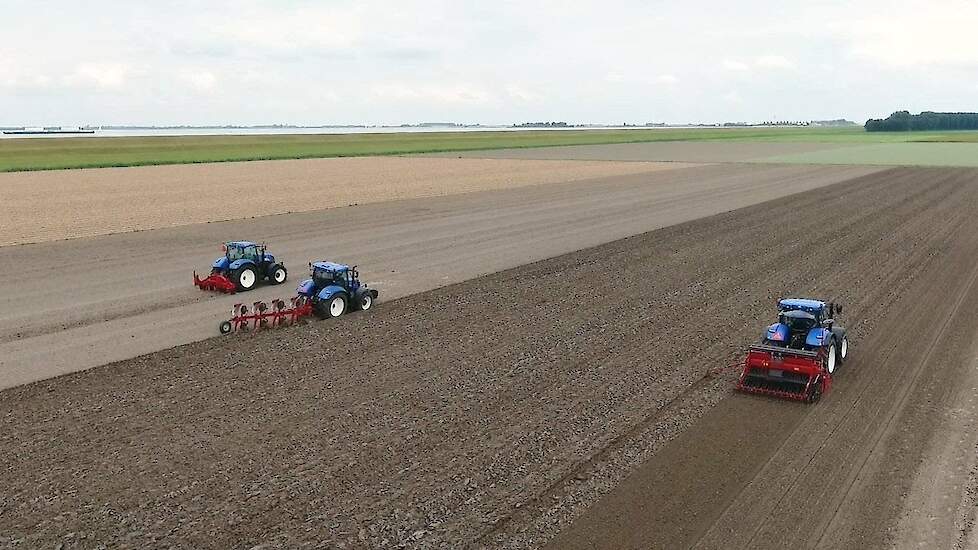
(62, 204)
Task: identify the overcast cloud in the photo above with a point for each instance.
(335, 62)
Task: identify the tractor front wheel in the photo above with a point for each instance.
(366, 301)
(277, 274)
(245, 278)
(844, 350)
(332, 307)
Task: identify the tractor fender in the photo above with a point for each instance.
(238, 264)
(306, 288)
(839, 333)
(818, 337)
(328, 292)
(364, 290)
(777, 333)
(220, 264)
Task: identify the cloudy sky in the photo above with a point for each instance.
(382, 62)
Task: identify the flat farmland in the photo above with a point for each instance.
(668, 151)
(562, 401)
(100, 299)
(19, 154)
(890, 153)
(537, 371)
(61, 204)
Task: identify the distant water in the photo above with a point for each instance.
(147, 132)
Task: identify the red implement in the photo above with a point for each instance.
(263, 315)
(785, 373)
(215, 281)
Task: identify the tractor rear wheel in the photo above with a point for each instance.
(277, 274)
(831, 358)
(332, 307)
(245, 278)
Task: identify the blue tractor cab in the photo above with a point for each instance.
(245, 263)
(809, 325)
(334, 289)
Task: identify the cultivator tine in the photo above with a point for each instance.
(260, 319)
(784, 389)
(215, 281)
(278, 318)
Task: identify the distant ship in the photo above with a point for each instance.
(50, 130)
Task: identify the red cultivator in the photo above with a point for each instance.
(264, 315)
(215, 281)
(786, 373)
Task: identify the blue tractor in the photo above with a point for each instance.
(244, 264)
(335, 289)
(809, 325)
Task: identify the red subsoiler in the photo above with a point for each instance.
(215, 281)
(264, 315)
(786, 373)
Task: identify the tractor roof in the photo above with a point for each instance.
(803, 304)
(330, 266)
(240, 244)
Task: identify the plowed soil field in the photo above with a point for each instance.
(567, 398)
(62, 204)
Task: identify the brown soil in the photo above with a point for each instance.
(71, 305)
(62, 204)
(495, 411)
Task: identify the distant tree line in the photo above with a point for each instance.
(903, 121)
(541, 125)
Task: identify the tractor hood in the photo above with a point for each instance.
(221, 263)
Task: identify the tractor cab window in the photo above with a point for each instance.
(798, 323)
(243, 252)
(322, 276)
(330, 277)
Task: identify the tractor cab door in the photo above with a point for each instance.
(354, 277)
(342, 278)
(251, 253)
